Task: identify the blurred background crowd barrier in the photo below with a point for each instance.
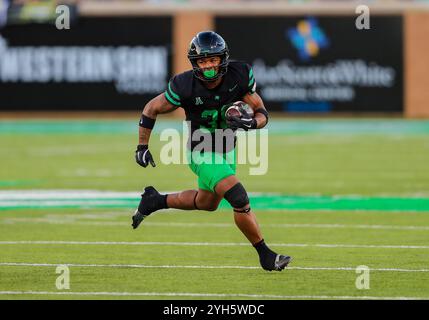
(308, 56)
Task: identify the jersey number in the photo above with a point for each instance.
(212, 116)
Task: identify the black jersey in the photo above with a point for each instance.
(205, 108)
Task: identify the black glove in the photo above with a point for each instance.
(143, 156)
(246, 122)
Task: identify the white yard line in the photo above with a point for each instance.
(214, 295)
(84, 203)
(212, 244)
(64, 194)
(92, 193)
(72, 221)
(74, 194)
(25, 264)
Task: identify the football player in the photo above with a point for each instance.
(205, 92)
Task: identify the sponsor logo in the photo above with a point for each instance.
(233, 88)
(336, 81)
(198, 101)
(133, 70)
(307, 38)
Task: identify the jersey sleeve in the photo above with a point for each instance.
(251, 82)
(172, 93)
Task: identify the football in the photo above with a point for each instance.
(238, 109)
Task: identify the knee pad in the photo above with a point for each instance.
(237, 198)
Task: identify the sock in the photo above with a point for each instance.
(164, 201)
(161, 201)
(267, 257)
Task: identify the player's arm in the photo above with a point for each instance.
(254, 100)
(157, 105)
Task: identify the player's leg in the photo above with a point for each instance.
(219, 177)
(203, 199)
(233, 191)
(152, 201)
(245, 222)
(194, 200)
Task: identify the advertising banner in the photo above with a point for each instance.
(100, 63)
(321, 63)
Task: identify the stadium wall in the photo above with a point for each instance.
(416, 64)
(410, 97)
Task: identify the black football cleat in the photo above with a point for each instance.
(151, 201)
(281, 262)
(276, 262)
(137, 219)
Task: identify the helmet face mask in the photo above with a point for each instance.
(205, 45)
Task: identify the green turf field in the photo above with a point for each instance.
(338, 194)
